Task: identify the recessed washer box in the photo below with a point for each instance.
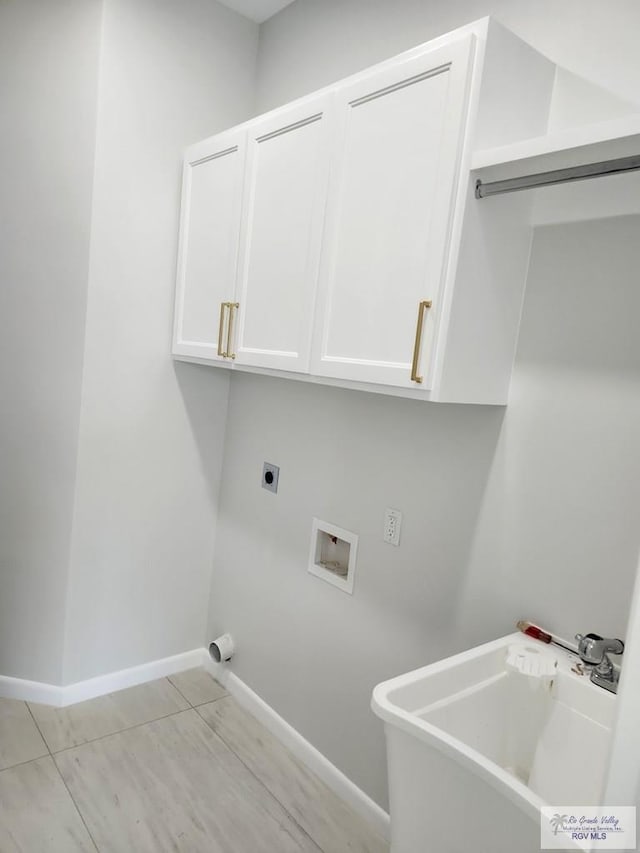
(333, 554)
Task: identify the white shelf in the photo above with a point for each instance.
(590, 143)
(597, 198)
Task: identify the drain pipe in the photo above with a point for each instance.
(222, 648)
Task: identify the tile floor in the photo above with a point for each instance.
(173, 765)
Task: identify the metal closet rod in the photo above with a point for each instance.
(559, 176)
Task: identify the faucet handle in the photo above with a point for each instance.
(593, 648)
(587, 649)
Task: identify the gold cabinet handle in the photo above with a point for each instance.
(426, 303)
(232, 306)
(223, 305)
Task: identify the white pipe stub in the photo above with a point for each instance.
(222, 648)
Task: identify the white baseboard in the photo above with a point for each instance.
(113, 681)
(302, 749)
(52, 694)
(59, 696)
(30, 691)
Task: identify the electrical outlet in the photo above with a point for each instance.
(270, 476)
(392, 523)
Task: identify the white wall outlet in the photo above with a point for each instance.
(270, 475)
(392, 524)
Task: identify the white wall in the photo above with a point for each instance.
(525, 512)
(557, 538)
(48, 76)
(324, 40)
(151, 432)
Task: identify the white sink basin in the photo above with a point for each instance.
(534, 742)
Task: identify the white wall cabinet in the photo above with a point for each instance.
(253, 209)
(395, 164)
(208, 250)
(338, 238)
(283, 210)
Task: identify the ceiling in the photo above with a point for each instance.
(257, 10)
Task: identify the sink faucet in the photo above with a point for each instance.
(595, 650)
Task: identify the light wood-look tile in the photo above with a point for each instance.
(63, 728)
(197, 686)
(20, 740)
(323, 815)
(173, 785)
(38, 815)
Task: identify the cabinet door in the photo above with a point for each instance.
(394, 172)
(208, 249)
(283, 212)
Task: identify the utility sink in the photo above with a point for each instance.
(480, 726)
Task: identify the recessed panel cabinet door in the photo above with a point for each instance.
(394, 173)
(283, 212)
(208, 249)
